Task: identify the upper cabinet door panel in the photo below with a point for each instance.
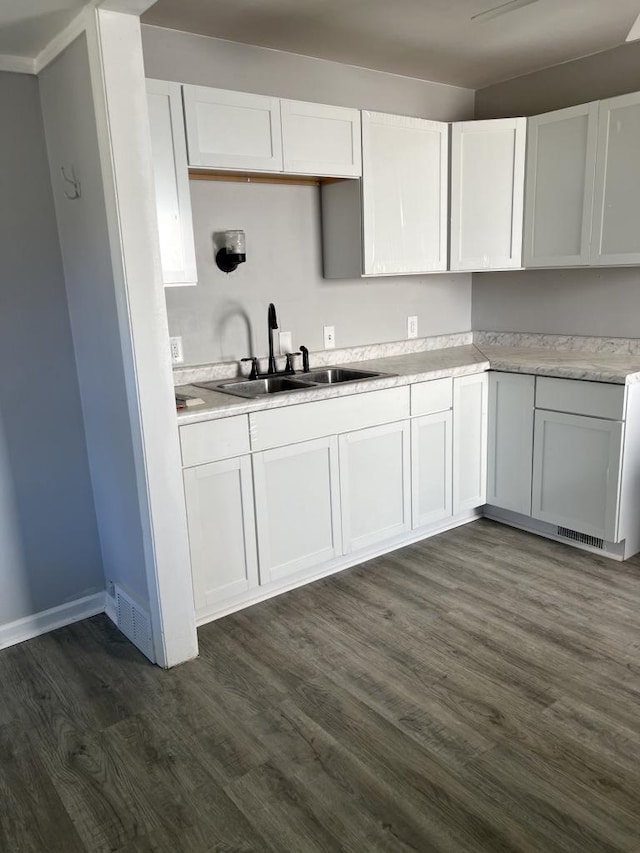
(320, 140)
(616, 235)
(232, 130)
(487, 194)
(404, 189)
(171, 179)
(561, 165)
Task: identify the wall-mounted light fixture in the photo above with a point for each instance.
(233, 251)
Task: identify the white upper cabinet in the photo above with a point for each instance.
(320, 140)
(232, 130)
(561, 165)
(171, 178)
(404, 194)
(616, 234)
(487, 194)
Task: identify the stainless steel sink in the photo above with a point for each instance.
(256, 387)
(252, 388)
(333, 375)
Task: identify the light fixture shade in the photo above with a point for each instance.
(233, 251)
(235, 242)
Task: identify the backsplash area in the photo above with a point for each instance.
(224, 317)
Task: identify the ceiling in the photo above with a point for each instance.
(428, 39)
(27, 26)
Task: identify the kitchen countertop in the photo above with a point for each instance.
(423, 366)
(409, 368)
(565, 364)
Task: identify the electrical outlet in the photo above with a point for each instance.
(412, 327)
(329, 337)
(177, 355)
(284, 341)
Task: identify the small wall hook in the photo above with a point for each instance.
(75, 183)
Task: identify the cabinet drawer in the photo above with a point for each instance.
(430, 397)
(213, 440)
(291, 424)
(598, 399)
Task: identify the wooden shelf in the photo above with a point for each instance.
(262, 178)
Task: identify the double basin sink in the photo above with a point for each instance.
(252, 388)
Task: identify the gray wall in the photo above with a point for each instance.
(72, 141)
(592, 78)
(49, 549)
(224, 316)
(584, 302)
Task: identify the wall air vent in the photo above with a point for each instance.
(582, 538)
(134, 622)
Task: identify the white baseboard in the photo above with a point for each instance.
(48, 620)
(267, 591)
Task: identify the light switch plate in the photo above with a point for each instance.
(329, 337)
(412, 327)
(284, 342)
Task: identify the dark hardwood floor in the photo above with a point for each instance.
(476, 692)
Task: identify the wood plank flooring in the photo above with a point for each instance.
(479, 691)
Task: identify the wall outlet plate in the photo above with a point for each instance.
(284, 341)
(329, 337)
(177, 355)
(412, 327)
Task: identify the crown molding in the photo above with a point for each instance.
(17, 64)
(63, 39)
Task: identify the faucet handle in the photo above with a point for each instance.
(254, 366)
(289, 368)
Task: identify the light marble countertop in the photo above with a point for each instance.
(566, 364)
(414, 367)
(408, 368)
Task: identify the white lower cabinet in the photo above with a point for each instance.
(375, 485)
(297, 501)
(510, 454)
(469, 441)
(576, 473)
(432, 469)
(222, 537)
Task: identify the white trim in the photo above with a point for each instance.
(209, 614)
(48, 620)
(119, 90)
(17, 64)
(63, 39)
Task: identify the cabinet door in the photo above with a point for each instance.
(375, 485)
(561, 166)
(222, 537)
(576, 472)
(510, 456)
(404, 194)
(469, 442)
(171, 178)
(320, 140)
(297, 507)
(487, 193)
(616, 235)
(431, 468)
(232, 130)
